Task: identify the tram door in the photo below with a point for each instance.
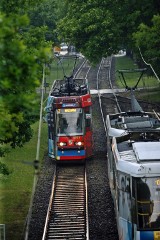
(51, 134)
(88, 132)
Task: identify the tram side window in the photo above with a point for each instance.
(143, 203)
(148, 203)
(124, 196)
(50, 119)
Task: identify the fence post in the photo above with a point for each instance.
(2, 232)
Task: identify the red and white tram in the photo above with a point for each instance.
(69, 120)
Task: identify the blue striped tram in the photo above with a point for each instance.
(133, 144)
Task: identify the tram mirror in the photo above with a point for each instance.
(114, 132)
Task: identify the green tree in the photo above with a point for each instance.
(147, 38)
(17, 7)
(23, 50)
(18, 78)
(44, 15)
(89, 25)
(99, 27)
(129, 14)
(61, 9)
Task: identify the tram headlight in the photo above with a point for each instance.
(79, 143)
(61, 144)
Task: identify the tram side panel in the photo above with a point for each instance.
(124, 203)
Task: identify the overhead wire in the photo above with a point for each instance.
(148, 64)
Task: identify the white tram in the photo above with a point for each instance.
(133, 144)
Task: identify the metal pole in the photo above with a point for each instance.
(36, 162)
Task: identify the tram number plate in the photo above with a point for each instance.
(70, 110)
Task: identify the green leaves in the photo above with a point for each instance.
(18, 79)
(18, 6)
(99, 28)
(89, 27)
(148, 39)
(25, 28)
(23, 49)
(16, 66)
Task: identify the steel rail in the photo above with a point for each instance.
(50, 205)
(82, 66)
(87, 216)
(67, 215)
(101, 66)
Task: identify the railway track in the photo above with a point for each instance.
(83, 69)
(67, 215)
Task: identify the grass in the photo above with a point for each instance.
(150, 85)
(132, 78)
(62, 68)
(152, 96)
(16, 188)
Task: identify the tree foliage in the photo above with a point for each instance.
(147, 38)
(18, 81)
(98, 28)
(17, 7)
(44, 15)
(23, 50)
(89, 27)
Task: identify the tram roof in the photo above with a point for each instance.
(136, 143)
(134, 121)
(70, 87)
(142, 159)
(147, 151)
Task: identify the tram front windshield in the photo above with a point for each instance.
(69, 121)
(148, 203)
